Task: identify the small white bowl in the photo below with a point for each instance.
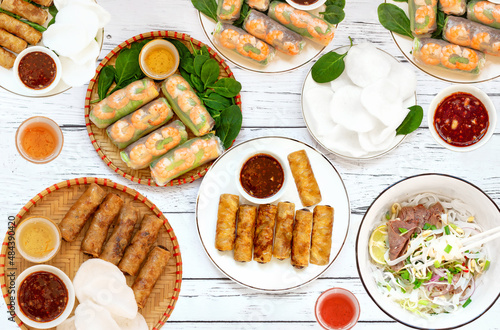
(312, 6)
(158, 43)
(337, 291)
(69, 306)
(53, 227)
(482, 96)
(47, 51)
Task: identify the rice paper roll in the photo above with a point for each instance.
(306, 183)
(304, 23)
(139, 123)
(275, 34)
(7, 59)
(246, 45)
(141, 153)
(25, 9)
(11, 42)
(103, 219)
(453, 7)
(477, 36)
(484, 12)
(261, 5)
(226, 222)
(229, 10)
(264, 232)
(245, 231)
(186, 157)
(123, 102)
(321, 238)
(284, 227)
(20, 29)
(142, 241)
(121, 235)
(439, 53)
(150, 273)
(187, 105)
(422, 15)
(301, 238)
(76, 217)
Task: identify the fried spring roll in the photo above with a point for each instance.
(80, 212)
(25, 9)
(243, 244)
(226, 222)
(264, 231)
(103, 219)
(46, 3)
(284, 227)
(11, 42)
(150, 273)
(7, 59)
(141, 243)
(121, 235)
(304, 178)
(321, 241)
(301, 241)
(20, 29)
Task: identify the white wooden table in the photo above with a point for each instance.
(271, 106)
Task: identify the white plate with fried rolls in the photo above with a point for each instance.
(281, 244)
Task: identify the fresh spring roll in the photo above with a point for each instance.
(284, 228)
(139, 123)
(152, 146)
(301, 239)
(453, 7)
(103, 219)
(306, 183)
(243, 245)
(261, 5)
(229, 10)
(230, 37)
(275, 34)
(304, 23)
(20, 29)
(187, 105)
(80, 212)
(321, 240)
(123, 101)
(186, 157)
(25, 9)
(484, 12)
(121, 235)
(142, 241)
(264, 232)
(477, 36)
(439, 53)
(7, 59)
(225, 233)
(11, 42)
(422, 16)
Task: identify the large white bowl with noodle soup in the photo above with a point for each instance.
(426, 282)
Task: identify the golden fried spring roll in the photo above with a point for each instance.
(301, 240)
(7, 59)
(141, 243)
(150, 273)
(284, 227)
(226, 222)
(46, 3)
(121, 235)
(103, 219)
(25, 9)
(20, 29)
(304, 178)
(12, 42)
(80, 212)
(243, 244)
(264, 231)
(321, 241)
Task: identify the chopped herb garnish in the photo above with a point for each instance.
(450, 277)
(486, 265)
(423, 302)
(447, 230)
(441, 279)
(429, 276)
(448, 248)
(467, 302)
(426, 226)
(453, 226)
(388, 216)
(405, 274)
(433, 227)
(417, 285)
(402, 230)
(437, 264)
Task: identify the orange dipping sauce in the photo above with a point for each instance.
(39, 141)
(337, 308)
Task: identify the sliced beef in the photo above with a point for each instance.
(422, 215)
(435, 215)
(397, 240)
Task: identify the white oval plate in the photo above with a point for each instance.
(276, 275)
(490, 71)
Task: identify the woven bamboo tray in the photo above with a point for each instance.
(106, 150)
(54, 202)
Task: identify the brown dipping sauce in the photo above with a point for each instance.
(305, 2)
(37, 70)
(262, 176)
(42, 296)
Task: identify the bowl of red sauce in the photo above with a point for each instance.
(336, 309)
(37, 70)
(462, 118)
(306, 4)
(44, 296)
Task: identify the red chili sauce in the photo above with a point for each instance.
(461, 120)
(305, 2)
(42, 296)
(337, 311)
(262, 176)
(37, 70)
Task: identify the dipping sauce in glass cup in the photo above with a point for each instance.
(337, 309)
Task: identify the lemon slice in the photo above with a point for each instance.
(377, 246)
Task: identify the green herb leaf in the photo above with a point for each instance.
(207, 7)
(433, 227)
(450, 277)
(216, 101)
(467, 302)
(333, 14)
(412, 121)
(187, 63)
(437, 264)
(440, 18)
(245, 9)
(403, 230)
(127, 66)
(186, 75)
(405, 274)
(394, 19)
(106, 79)
(400, 1)
(448, 248)
(198, 62)
(426, 226)
(338, 3)
(181, 48)
(417, 285)
(447, 230)
(229, 125)
(52, 11)
(388, 215)
(209, 72)
(197, 83)
(227, 87)
(329, 67)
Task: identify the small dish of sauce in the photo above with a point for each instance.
(306, 4)
(159, 59)
(337, 308)
(38, 239)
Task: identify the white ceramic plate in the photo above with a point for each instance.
(309, 113)
(490, 71)
(221, 178)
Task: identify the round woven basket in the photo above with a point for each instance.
(106, 150)
(54, 202)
